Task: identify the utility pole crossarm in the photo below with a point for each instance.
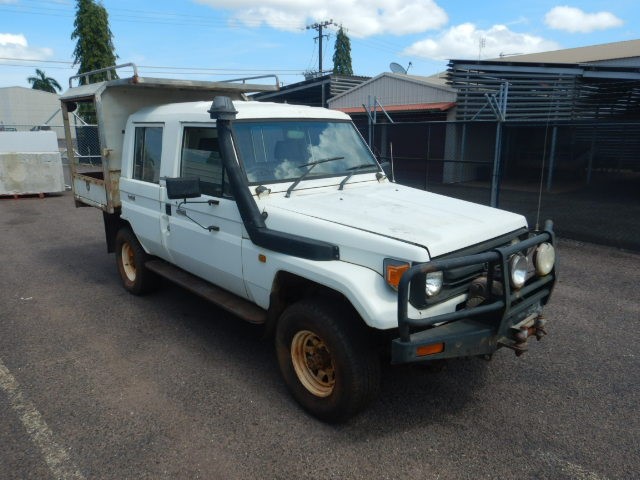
(319, 27)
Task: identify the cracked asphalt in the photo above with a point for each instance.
(98, 384)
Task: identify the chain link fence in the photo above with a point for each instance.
(583, 175)
(86, 142)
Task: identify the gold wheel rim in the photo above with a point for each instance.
(313, 363)
(128, 264)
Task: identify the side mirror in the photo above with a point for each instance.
(183, 188)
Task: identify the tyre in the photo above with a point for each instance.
(130, 258)
(326, 359)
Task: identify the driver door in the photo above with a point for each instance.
(204, 235)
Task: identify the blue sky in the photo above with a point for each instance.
(217, 39)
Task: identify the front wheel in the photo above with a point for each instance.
(326, 360)
(130, 258)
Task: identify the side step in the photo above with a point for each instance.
(226, 300)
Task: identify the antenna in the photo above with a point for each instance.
(397, 68)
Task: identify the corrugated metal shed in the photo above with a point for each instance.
(549, 92)
(414, 107)
(394, 89)
(314, 92)
(619, 53)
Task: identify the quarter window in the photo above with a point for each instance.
(147, 154)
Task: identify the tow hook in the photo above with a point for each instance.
(538, 325)
(521, 335)
(518, 347)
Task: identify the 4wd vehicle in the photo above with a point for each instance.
(282, 215)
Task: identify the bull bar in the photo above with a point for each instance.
(467, 331)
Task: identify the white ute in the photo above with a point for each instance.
(282, 215)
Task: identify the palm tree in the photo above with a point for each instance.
(42, 82)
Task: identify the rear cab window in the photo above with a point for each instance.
(147, 153)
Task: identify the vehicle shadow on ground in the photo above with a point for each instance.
(410, 395)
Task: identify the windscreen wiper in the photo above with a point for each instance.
(353, 170)
(311, 166)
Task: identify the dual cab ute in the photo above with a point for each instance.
(282, 215)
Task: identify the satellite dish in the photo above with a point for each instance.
(397, 68)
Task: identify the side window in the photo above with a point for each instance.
(147, 154)
(201, 159)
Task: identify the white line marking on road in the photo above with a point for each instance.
(55, 456)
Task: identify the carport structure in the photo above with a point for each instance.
(570, 119)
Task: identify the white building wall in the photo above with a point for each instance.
(25, 108)
(393, 89)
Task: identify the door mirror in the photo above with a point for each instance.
(182, 188)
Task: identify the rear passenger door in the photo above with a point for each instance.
(205, 238)
(140, 189)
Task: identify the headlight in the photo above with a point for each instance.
(518, 267)
(544, 259)
(433, 284)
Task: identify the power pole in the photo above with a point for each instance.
(319, 27)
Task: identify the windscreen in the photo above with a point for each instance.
(280, 151)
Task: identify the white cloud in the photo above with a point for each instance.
(15, 45)
(462, 41)
(573, 20)
(362, 18)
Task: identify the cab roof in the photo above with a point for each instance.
(198, 112)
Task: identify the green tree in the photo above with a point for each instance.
(94, 40)
(42, 82)
(342, 54)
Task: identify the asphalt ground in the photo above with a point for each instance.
(98, 384)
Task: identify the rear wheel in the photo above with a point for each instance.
(326, 360)
(130, 258)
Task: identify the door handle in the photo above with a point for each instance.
(131, 196)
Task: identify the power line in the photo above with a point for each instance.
(141, 16)
(157, 68)
(124, 15)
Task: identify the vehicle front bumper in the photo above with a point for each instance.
(506, 319)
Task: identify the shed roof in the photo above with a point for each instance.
(313, 91)
(590, 54)
(414, 79)
(416, 107)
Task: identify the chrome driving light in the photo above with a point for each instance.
(518, 267)
(544, 258)
(433, 284)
